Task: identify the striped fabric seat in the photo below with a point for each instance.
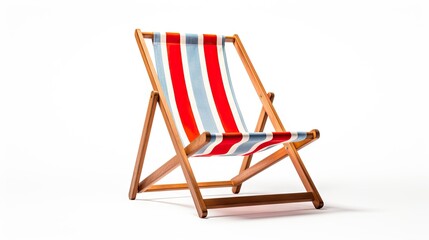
(195, 80)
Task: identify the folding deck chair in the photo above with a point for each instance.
(192, 86)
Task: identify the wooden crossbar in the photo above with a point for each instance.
(150, 35)
(184, 186)
(258, 200)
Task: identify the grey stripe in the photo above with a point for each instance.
(254, 138)
(198, 84)
(159, 65)
(301, 136)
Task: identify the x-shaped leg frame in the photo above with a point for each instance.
(246, 171)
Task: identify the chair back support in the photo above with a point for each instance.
(194, 76)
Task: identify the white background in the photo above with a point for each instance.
(74, 91)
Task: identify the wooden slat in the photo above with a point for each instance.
(150, 36)
(305, 176)
(147, 126)
(258, 200)
(183, 186)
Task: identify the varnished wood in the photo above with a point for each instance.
(260, 125)
(304, 175)
(172, 130)
(183, 186)
(301, 144)
(197, 143)
(258, 200)
(150, 36)
(143, 145)
(173, 163)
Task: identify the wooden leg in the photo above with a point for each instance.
(259, 127)
(193, 185)
(258, 200)
(143, 145)
(303, 174)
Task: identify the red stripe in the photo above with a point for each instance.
(278, 137)
(228, 141)
(179, 86)
(216, 84)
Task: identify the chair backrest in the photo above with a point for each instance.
(195, 80)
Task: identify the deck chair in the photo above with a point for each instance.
(192, 87)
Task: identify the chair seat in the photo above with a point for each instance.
(242, 144)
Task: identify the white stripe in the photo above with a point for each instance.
(207, 88)
(226, 85)
(235, 146)
(267, 138)
(170, 90)
(209, 149)
(293, 137)
(188, 83)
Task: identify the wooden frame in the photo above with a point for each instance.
(157, 98)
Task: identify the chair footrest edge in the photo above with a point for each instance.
(258, 200)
